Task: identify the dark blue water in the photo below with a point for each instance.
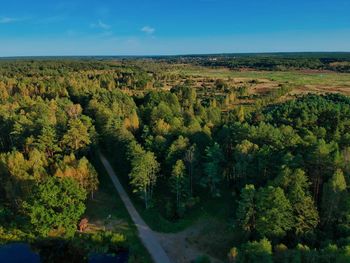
(22, 253)
(18, 253)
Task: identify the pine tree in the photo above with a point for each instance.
(213, 169)
(176, 151)
(333, 193)
(246, 211)
(320, 163)
(179, 183)
(47, 142)
(274, 212)
(190, 158)
(296, 185)
(143, 175)
(76, 137)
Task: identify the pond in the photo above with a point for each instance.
(18, 252)
(22, 252)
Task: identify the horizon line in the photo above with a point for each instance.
(175, 55)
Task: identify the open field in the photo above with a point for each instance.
(329, 81)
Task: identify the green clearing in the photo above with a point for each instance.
(207, 209)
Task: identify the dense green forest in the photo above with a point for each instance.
(281, 166)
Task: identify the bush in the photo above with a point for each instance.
(255, 252)
(202, 259)
(232, 255)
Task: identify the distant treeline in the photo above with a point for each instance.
(337, 61)
(333, 61)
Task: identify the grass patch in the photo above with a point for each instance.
(216, 238)
(297, 78)
(206, 209)
(293, 77)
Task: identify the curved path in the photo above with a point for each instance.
(146, 234)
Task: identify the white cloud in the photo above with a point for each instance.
(101, 25)
(148, 30)
(8, 20)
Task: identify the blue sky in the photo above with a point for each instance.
(159, 27)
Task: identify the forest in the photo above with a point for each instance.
(338, 61)
(265, 155)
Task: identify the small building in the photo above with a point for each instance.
(83, 224)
